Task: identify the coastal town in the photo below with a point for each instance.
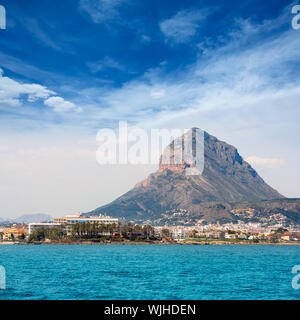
(105, 229)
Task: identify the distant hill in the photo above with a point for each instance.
(29, 218)
(226, 178)
(38, 217)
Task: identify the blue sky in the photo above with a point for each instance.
(84, 49)
(69, 68)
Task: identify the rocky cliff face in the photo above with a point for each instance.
(226, 178)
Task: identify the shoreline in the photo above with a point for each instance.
(184, 242)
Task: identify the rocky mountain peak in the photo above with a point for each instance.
(223, 177)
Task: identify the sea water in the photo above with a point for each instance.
(149, 272)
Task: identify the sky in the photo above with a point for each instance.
(70, 68)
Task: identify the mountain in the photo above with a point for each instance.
(29, 218)
(226, 178)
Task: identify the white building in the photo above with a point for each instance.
(178, 234)
(101, 219)
(68, 221)
(37, 225)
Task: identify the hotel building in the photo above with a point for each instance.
(68, 221)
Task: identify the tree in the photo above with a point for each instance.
(148, 231)
(21, 237)
(194, 233)
(281, 231)
(231, 232)
(37, 235)
(165, 233)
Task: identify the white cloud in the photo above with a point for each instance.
(183, 26)
(61, 105)
(12, 93)
(265, 162)
(101, 11)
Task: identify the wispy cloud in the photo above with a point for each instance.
(157, 94)
(105, 63)
(26, 70)
(145, 39)
(101, 11)
(184, 25)
(35, 29)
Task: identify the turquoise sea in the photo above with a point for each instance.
(149, 272)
